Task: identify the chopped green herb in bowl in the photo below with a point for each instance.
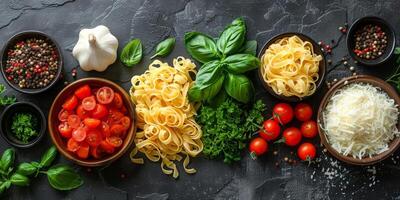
(24, 127)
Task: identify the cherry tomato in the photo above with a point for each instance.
(83, 91)
(105, 95)
(306, 151)
(105, 129)
(74, 121)
(114, 141)
(117, 129)
(65, 130)
(63, 115)
(107, 147)
(292, 136)
(309, 129)
(99, 111)
(70, 103)
(83, 151)
(124, 110)
(303, 112)
(258, 146)
(93, 138)
(94, 151)
(92, 122)
(125, 122)
(283, 113)
(114, 116)
(118, 103)
(79, 134)
(72, 145)
(89, 103)
(82, 113)
(271, 130)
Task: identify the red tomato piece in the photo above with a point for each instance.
(283, 113)
(117, 129)
(65, 130)
(124, 110)
(99, 111)
(91, 122)
(118, 102)
(309, 129)
(89, 103)
(107, 147)
(306, 151)
(93, 138)
(79, 134)
(70, 103)
(63, 115)
(271, 130)
(72, 145)
(303, 112)
(83, 91)
(94, 151)
(125, 122)
(114, 116)
(105, 95)
(82, 113)
(74, 121)
(292, 136)
(105, 129)
(83, 151)
(257, 147)
(114, 141)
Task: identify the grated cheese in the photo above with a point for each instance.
(360, 120)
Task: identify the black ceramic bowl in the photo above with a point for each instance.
(23, 36)
(6, 123)
(317, 50)
(391, 39)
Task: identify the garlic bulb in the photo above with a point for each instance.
(96, 49)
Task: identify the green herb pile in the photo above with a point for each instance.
(60, 177)
(227, 128)
(24, 126)
(224, 62)
(5, 100)
(395, 78)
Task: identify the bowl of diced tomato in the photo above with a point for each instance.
(91, 122)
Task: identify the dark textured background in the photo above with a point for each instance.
(153, 21)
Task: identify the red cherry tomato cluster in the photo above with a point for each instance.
(93, 121)
(292, 136)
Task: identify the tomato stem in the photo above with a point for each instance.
(253, 155)
(278, 117)
(282, 140)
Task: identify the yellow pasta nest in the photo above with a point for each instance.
(165, 116)
(290, 67)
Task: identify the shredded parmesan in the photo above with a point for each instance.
(360, 120)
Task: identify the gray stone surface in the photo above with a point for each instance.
(153, 21)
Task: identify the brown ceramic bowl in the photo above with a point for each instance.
(394, 144)
(61, 143)
(317, 50)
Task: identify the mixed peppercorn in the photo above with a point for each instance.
(370, 42)
(32, 63)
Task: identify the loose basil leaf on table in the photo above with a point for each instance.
(201, 47)
(232, 38)
(165, 47)
(26, 169)
(239, 87)
(240, 63)
(208, 74)
(62, 177)
(250, 47)
(48, 157)
(19, 179)
(132, 53)
(7, 159)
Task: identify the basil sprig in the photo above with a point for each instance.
(132, 53)
(224, 63)
(164, 48)
(63, 177)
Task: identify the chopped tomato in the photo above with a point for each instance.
(114, 116)
(124, 110)
(83, 91)
(94, 151)
(65, 130)
(125, 122)
(105, 129)
(99, 111)
(72, 145)
(118, 103)
(93, 138)
(83, 151)
(82, 113)
(105, 95)
(63, 115)
(117, 129)
(114, 141)
(74, 121)
(79, 134)
(107, 147)
(89, 103)
(70, 103)
(91, 122)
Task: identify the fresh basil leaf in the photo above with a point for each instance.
(195, 94)
(48, 157)
(132, 53)
(19, 179)
(26, 169)
(232, 38)
(218, 99)
(208, 74)
(250, 47)
(165, 47)
(7, 159)
(62, 177)
(201, 47)
(239, 87)
(4, 186)
(397, 50)
(212, 90)
(240, 63)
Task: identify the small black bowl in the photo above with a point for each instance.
(317, 50)
(6, 123)
(391, 39)
(23, 36)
